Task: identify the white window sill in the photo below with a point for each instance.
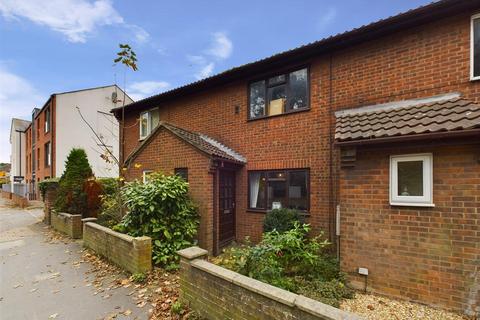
(475, 78)
(412, 204)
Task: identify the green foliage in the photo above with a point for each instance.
(46, 185)
(127, 57)
(71, 196)
(177, 307)
(109, 185)
(139, 277)
(162, 210)
(291, 261)
(281, 220)
(111, 211)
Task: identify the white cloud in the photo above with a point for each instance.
(17, 99)
(142, 89)
(327, 18)
(76, 19)
(220, 49)
(222, 46)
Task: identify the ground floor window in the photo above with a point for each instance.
(182, 172)
(276, 189)
(146, 174)
(411, 180)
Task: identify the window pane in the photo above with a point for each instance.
(410, 178)
(276, 80)
(298, 90)
(297, 190)
(277, 190)
(155, 118)
(257, 190)
(144, 124)
(182, 172)
(276, 99)
(476, 48)
(257, 99)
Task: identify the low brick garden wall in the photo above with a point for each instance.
(70, 224)
(217, 293)
(132, 254)
(6, 195)
(19, 201)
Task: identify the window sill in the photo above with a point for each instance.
(472, 79)
(279, 115)
(412, 204)
(303, 213)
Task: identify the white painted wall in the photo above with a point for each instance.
(17, 155)
(72, 132)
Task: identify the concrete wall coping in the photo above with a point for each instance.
(316, 308)
(91, 219)
(68, 215)
(192, 253)
(122, 236)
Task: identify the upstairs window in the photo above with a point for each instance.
(148, 121)
(48, 154)
(279, 94)
(475, 48)
(47, 120)
(278, 189)
(411, 180)
(182, 172)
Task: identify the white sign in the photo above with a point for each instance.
(276, 205)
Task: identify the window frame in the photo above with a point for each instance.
(145, 173)
(265, 78)
(287, 182)
(47, 119)
(48, 155)
(176, 171)
(472, 47)
(149, 122)
(413, 201)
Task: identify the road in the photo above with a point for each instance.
(44, 280)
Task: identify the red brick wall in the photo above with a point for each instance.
(430, 255)
(165, 153)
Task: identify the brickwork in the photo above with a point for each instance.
(6, 195)
(49, 201)
(70, 224)
(132, 254)
(19, 201)
(217, 293)
(431, 255)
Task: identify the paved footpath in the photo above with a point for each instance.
(43, 280)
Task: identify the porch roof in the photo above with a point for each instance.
(446, 115)
(200, 141)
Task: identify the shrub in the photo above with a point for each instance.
(46, 185)
(111, 207)
(139, 277)
(162, 210)
(71, 196)
(329, 292)
(177, 307)
(281, 220)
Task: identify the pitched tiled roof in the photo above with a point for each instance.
(200, 141)
(450, 115)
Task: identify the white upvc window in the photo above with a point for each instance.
(146, 174)
(475, 48)
(411, 180)
(148, 121)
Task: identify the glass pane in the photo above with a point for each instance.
(410, 178)
(257, 190)
(276, 99)
(297, 190)
(277, 190)
(476, 47)
(144, 124)
(155, 118)
(257, 99)
(276, 80)
(298, 90)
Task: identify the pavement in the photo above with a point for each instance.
(44, 280)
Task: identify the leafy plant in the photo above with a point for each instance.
(111, 211)
(329, 292)
(162, 210)
(177, 307)
(47, 184)
(281, 220)
(71, 196)
(139, 277)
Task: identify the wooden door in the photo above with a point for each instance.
(226, 206)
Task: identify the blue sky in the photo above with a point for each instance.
(61, 45)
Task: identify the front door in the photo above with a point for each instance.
(226, 205)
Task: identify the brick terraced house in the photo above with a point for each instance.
(374, 134)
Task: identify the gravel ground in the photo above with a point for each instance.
(373, 307)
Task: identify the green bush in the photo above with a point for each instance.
(47, 184)
(71, 196)
(162, 210)
(111, 211)
(281, 220)
(292, 261)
